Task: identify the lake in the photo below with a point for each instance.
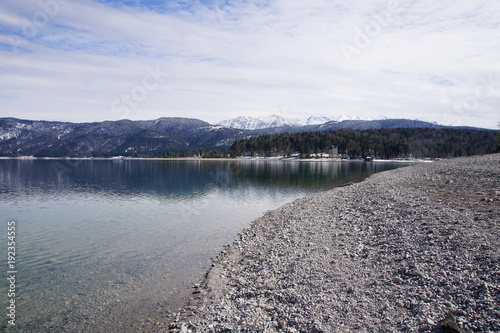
(116, 245)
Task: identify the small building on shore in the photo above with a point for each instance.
(334, 152)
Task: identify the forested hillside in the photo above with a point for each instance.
(147, 138)
(379, 143)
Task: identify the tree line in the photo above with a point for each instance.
(378, 143)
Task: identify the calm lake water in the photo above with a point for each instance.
(115, 245)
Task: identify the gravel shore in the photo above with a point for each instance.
(415, 249)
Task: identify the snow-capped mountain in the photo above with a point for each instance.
(253, 123)
(151, 138)
(316, 120)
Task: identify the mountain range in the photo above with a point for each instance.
(110, 138)
(252, 123)
(152, 138)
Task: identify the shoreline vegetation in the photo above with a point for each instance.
(415, 249)
(183, 137)
(324, 159)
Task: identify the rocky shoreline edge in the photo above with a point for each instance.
(415, 249)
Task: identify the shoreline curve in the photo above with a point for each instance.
(415, 249)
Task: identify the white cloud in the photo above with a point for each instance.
(246, 57)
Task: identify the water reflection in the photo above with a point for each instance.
(105, 243)
(174, 178)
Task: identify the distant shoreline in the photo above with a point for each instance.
(402, 160)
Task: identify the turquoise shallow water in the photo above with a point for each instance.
(114, 245)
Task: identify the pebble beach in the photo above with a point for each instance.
(416, 249)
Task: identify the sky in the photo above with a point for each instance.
(86, 61)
